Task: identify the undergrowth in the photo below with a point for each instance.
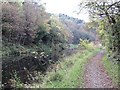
(67, 73)
(112, 69)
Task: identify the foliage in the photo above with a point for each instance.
(65, 73)
(42, 36)
(82, 35)
(86, 44)
(68, 71)
(38, 38)
(28, 30)
(29, 27)
(56, 24)
(109, 35)
(76, 29)
(108, 17)
(18, 25)
(16, 80)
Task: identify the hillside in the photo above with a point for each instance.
(77, 28)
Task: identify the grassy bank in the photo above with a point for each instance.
(112, 69)
(69, 72)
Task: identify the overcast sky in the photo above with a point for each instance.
(65, 6)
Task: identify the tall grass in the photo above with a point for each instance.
(112, 69)
(69, 72)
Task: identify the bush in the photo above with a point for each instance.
(86, 44)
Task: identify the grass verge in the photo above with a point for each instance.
(69, 72)
(112, 69)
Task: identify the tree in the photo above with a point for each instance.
(108, 14)
(20, 21)
(33, 18)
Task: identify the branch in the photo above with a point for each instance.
(113, 5)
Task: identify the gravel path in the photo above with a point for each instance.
(95, 74)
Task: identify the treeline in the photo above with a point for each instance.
(75, 20)
(77, 28)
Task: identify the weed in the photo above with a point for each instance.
(15, 81)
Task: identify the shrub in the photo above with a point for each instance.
(86, 44)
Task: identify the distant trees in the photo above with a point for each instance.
(82, 35)
(77, 29)
(66, 17)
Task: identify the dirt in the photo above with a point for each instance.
(96, 75)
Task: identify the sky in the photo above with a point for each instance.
(66, 7)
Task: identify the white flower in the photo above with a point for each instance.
(42, 53)
(35, 57)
